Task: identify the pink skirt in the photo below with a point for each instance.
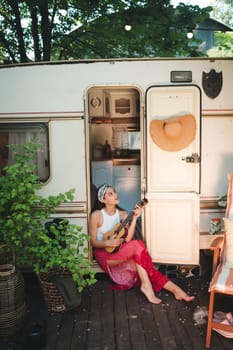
(125, 274)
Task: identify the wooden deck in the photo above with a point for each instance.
(123, 320)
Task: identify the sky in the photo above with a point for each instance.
(201, 3)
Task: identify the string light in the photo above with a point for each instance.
(128, 27)
(190, 34)
(63, 12)
(64, 8)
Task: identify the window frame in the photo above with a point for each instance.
(33, 127)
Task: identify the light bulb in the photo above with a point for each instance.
(63, 12)
(190, 35)
(128, 27)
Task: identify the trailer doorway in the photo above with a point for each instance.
(115, 142)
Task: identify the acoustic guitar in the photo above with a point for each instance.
(118, 230)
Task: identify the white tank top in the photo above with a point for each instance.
(109, 221)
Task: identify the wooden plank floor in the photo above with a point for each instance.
(123, 320)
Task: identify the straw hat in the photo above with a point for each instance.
(173, 134)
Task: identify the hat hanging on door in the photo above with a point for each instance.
(175, 133)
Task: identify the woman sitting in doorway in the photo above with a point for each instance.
(130, 264)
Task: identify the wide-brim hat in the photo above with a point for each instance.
(173, 134)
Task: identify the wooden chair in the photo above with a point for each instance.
(222, 272)
(222, 284)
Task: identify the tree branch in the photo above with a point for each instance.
(7, 47)
(19, 31)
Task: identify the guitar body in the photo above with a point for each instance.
(114, 234)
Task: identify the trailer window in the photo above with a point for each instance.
(20, 134)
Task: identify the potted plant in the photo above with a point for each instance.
(61, 246)
(222, 201)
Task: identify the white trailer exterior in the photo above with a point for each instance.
(182, 196)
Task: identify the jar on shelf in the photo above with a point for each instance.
(215, 226)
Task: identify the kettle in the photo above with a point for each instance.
(107, 153)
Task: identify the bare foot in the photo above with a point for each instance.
(178, 292)
(181, 295)
(150, 296)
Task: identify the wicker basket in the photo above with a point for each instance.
(12, 299)
(53, 297)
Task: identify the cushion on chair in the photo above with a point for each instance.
(222, 282)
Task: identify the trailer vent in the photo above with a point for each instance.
(181, 76)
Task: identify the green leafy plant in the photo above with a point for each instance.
(23, 217)
(222, 201)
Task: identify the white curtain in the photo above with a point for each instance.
(119, 137)
(21, 137)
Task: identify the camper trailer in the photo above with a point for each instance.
(160, 129)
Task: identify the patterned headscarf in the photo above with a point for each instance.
(101, 192)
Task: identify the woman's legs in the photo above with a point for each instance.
(146, 286)
(179, 293)
(136, 251)
(157, 280)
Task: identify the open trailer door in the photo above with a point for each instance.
(173, 173)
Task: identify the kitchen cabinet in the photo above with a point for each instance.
(127, 185)
(102, 172)
(120, 103)
(113, 103)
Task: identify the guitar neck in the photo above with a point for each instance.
(129, 217)
(125, 222)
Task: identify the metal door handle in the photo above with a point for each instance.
(194, 158)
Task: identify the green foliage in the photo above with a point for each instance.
(223, 11)
(37, 31)
(223, 45)
(23, 213)
(222, 201)
(66, 249)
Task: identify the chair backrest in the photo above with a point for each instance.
(229, 208)
(228, 215)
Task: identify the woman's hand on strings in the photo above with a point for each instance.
(137, 211)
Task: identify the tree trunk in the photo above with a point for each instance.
(35, 34)
(19, 31)
(45, 30)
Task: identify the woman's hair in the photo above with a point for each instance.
(97, 205)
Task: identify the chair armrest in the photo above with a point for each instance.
(216, 243)
(216, 246)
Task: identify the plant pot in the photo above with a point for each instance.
(59, 290)
(12, 299)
